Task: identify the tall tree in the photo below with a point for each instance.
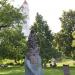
(12, 40)
(64, 37)
(45, 38)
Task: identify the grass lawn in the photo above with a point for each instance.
(20, 71)
(12, 71)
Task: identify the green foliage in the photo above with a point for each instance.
(9, 15)
(12, 40)
(64, 38)
(44, 37)
(13, 43)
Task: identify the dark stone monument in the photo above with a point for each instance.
(66, 70)
(34, 60)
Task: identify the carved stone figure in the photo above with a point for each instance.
(33, 59)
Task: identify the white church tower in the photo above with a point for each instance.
(25, 11)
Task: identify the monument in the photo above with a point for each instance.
(33, 59)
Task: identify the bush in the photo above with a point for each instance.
(10, 63)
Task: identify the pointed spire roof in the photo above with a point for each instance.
(25, 2)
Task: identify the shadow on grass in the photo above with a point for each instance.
(12, 71)
(60, 67)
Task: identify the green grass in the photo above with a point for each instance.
(12, 71)
(58, 71)
(20, 71)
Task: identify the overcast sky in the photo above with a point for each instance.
(51, 10)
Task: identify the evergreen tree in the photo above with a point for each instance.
(44, 37)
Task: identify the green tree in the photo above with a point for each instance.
(9, 16)
(44, 37)
(13, 44)
(12, 40)
(64, 38)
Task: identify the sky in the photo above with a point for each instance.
(51, 10)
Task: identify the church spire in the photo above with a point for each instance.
(25, 2)
(25, 11)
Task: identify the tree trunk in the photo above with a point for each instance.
(15, 61)
(45, 66)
